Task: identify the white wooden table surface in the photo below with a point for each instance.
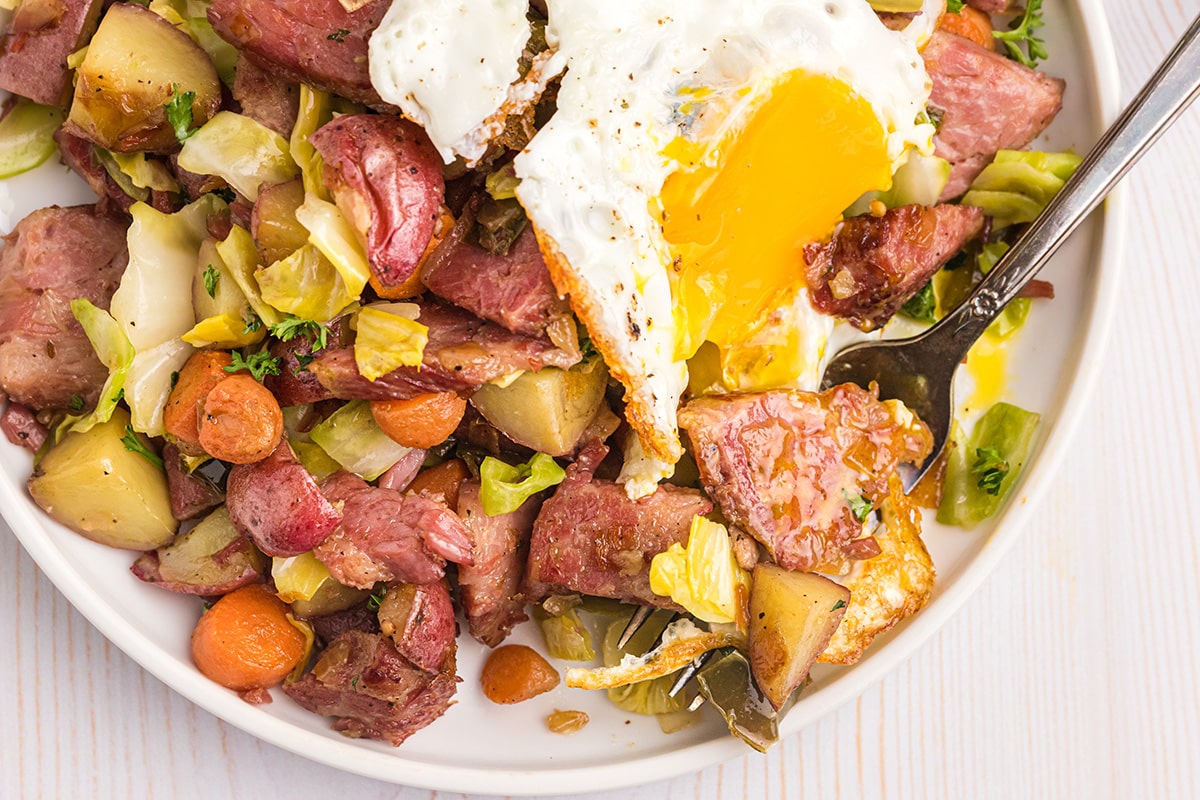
(1072, 673)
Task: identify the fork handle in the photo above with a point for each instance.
(1165, 96)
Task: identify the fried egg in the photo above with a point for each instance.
(696, 147)
(452, 67)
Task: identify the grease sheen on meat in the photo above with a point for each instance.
(54, 256)
(783, 465)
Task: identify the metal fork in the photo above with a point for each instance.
(920, 370)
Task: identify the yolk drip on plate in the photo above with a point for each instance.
(739, 211)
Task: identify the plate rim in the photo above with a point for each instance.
(1098, 49)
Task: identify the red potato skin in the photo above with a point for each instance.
(387, 179)
(278, 505)
(237, 557)
(191, 495)
(420, 620)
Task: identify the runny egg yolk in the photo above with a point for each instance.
(738, 214)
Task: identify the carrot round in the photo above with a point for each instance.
(242, 422)
(422, 421)
(181, 415)
(245, 641)
(970, 23)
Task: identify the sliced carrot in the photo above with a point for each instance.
(442, 481)
(422, 421)
(242, 422)
(970, 23)
(181, 415)
(515, 673)
(245, 641)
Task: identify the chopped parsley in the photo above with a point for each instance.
(134, 445)
(860, 506)
(211, 278)
(303, 360)
(259, 365)
(291, 327)
(376, 600)
(990, 468)
(253, 323)
(922, 306)
(226, 194)
(1022, 31)
(76, 404)
(954, 6)
(179, 113)
(338, 36)
(840, 604)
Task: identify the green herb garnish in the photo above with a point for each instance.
(860, 506)
(922, 306)
(179, 113)
(1022, 30)
(134, 445)
(338, 36)
(291, 327)
(954, 6)
(990, 468)
(839, 604)
(76, 404)
(376, 600)
(259, 365)
(212, 277)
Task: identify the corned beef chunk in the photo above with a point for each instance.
(872, 265)
(591, 538)
(33, 54)
(785, 466)
(984, 102)
(513, 290)
(386, 536)
(316, 42)
(54, 256)
(374, 691)
(491, 589)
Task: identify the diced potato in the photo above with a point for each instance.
(329, 598)
(276, 231)
(134, 64)
(547, 410)
(92, 484)
(210, 559)
(792, 617)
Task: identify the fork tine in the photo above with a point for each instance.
(689, 672)
(636, 621)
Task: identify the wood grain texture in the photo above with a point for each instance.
(1070, 674)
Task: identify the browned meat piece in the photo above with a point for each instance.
(591, 538)
(386, 177)
(278, 505)
(328, 627)
(33, 55)
(78, 154)
(305, 41)
(491, 590)
(420, 620)
(512, 290)
(463, 352)
(785, 466)
(985, 102)
(387, 536)
(374, 692)
(872, 265)
(265, 98)
(54, 256)
(22, 428)
(191, 494)
(295, 385)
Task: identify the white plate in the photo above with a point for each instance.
(484, 748)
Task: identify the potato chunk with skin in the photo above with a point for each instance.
(134, 64)
(92, 484)
(547, 410)
(885, 589)
(792, 617)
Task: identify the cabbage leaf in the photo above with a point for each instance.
(244, 152)
(351, 437)
(705, 578)
(388, 337)
(505, 487)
